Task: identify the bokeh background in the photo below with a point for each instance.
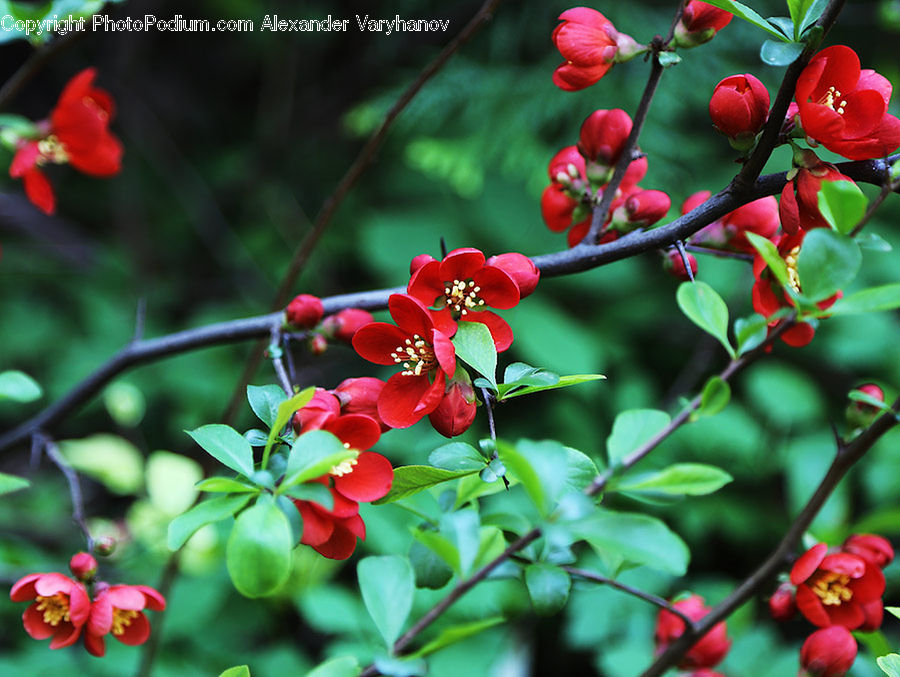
(232, 143)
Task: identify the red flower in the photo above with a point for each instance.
(305, 311)
(699, 23)
(557, 208)
(343, 324)
(77, 133)
(828, 652)
(640, 209)
(61, 607)
(360, 396)
(461, 287)
(567, 165)
(782, 605)
(456, 411)
(730, 231)
(520, 268)
(739, 107)
(83, 566)
(590, 44)
(602, 139)
(119, 609)
(832, 589)
(872, 548)
(799, 206)
(708, 650)
(426, 353)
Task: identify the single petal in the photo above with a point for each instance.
(50, 584)
(25, 159)
(66, 635)
(869, 587)
(23, 589)
(849, 615)
(39, 191)
(863, 111)
(357, 430)
(807, 564)
(799, 335)
(500, 329)
(370, 479)
(498, 289)
(444, 352)
(443, 321)
(95, 645)
(317, 525)
(33, 620)
(126, 597)
(101, 617)
(79, 605)
(572, 78)
(844, 563)
(410, 314)
(136, 632)
(376, 341)
(426, 283)
(811, 607)
(342, 542)
(461, 264)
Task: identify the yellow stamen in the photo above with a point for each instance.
(122, 619)
(832, 588)
(416, 356)
(51, 150)
(343, 468)
(55, 608)
(791, 261)
(461, 296)
(832, 97)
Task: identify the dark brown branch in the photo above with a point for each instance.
(71, 476)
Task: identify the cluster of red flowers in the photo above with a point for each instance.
(67, 609)
(579, 175)
(838, 591)
(76, 133)
(708, 651)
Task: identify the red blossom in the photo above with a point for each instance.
(304, 311)
(557, 208)
(730, 231)
(832, 589)
(799, 206)
(343, 324)
(674, 264)
(426, 353)
(871, 547)
(83, 566)
(641, 208)
(60, 609)
(118, 609)
(456, 411)
(360, 396)
(739, 107)
(828, 652)
(699, 23)
(602, 139)
(520, 268)
(567, 165)
(709, 650)
(782, 605)
(844, 108)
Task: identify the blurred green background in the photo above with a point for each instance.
(232, 143)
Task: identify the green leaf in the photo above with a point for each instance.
(889, 664)
(439, 545)
(225, 485)
(286, 411)
(312, 491)
(812, 14)
(562, 382)
(519, 373)
(110, 459)
(669, 59)
(780, 53)
(344, 666)
(236, 671)
(457, 633)
(18, 387)
(265, 400)
(873, 241)
(691, 479)
(893, 610)
(741, 11)
(872, 300)
(214, 510)
(860, 396)
(715, 397)
(171, 481)
(400, 667)
(842, 204)
(125, 403)
(750, 332)
(312, 455)
(784, 25)
(387, 585)
(461, 528)
(769, 253)
(874, 641)
(226, 445)
(705, 308)
(827, 263)
(457, 456)
(639, 539)
(548, 586)
(258, 552)
(631, 429)
(540, 467)
(798, 9)
(431, 571)
(475, 347)
(411, 479)
(11, 483)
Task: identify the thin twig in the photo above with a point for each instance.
(33, 65)
(720, 253)
(888, 187)
(275, 353)
(640, 594)
(71, 476)
(140, 319)
(679, 245)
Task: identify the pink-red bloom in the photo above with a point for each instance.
(739, 107)
(343, 324)
(60, 608)
(520, 268)
(709, 650)
(601, 141)
(844, 108)
(699, 23)
(77, 133)
(832, 589)
(304, 311)
(673, 263)
(640, 209)
(871, 547)
(730, 232)
(456, 411)
(782, 605)
(425, 353)
(828, 652)
(461, 287)
(118, 609)
(590, 45)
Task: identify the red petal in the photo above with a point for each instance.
(426, 283)
(317, 525)
(460, 264)
(572, 78)
(376, 341)
(135, 632)
(48, 585)
(410, 314)
(126, 597)
(66, 634)
(406, 399)
(799, 335)
(101, 618)
(78, 86)
(884, 139)
(844, 563)
(33, 620)
(25, 159)
(104, 158)
(870, 587)
(862, 112)
(343, 541)
(23, 589)
(498, 289)
(869, 79)
(39, 191)
(95, 645)
(808, 562)
(443, 321)
(849, 615)
(583, 44)
(370, 480)
(79, 605)
(811, 606)
(500, 330)
(444, 352)
(359, 431)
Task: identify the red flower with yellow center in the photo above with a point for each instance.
(834, 589)
(118, 610)
(60, 609)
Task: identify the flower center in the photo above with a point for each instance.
(832, 100)
(52, 150)
(462, 296)
(122, 619)
(416, 356)
(55, 608)
(832, 588)
(791, 261)
(343, 468)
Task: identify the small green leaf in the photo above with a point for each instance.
(548, 586)
(812, 14)
(125, 403)
(631, 429)
(784, 25)
(681, 479)
(889, 664)
(225, 485)
(312, 455)
(872, 300)
(769, 253)
(286, 411)
(540, 467)
(431, 571)
(236, 671)
(842, 204)
(11, 483)
(705, 308)
(561, 382)
(258, 552)
(893, 610)
(387, 585)
(457, 456)
(411, 479)
(715, 397)
(521, 374)
(860, 396)
(439, 545)
(108, 458)
(741, 11)
(457, 633)
(312, 491)
(265, 400)
(171, 481)
(214, 510)
(475, 347)
(750, 332)
(669, 59)
(226, 445)
(400, 667)
(873, 241)
(344, 666)
(827, 263)
(798, 9)
(18, 387)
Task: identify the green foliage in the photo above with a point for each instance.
(236, 671)
(874, 299)
(842, 204)
(692, 479)
(411, 479)
(548, 587)
(705, 308)
(715, 397)
(213, 510)
(889, 664)
(264, 401)
(632, 429)
(475, 347)
(284, 414)
(18, 387)
(828, 262)
(111, 459)
(344, 666)
(387, 585)
(10, 483)
(312, 455)
(258, 554)
(226, 445)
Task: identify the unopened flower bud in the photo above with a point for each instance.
(782, 605)
(520, 268)
(641, 208)
(83, 566)
(603, 135)
(305, 311)
(674, 264)
(828, 652)
(861, 414)
(105, 546)
(456, 411)
(699, 23)
(419, 261)
(343, 325)
(739, 107)
(318, 344)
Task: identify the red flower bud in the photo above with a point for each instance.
(557, 207)
(694, 201)
(83, 566)
(105, 546)
(419, 261)
(520, 268)
(674, 264)
(456, 411)
(603, 135)
(318, 344)
(305, 311)
(861, 414)
(641, 208)
(343, 325)
(567, 162)
(739, 107)
(828, 652)
(360, 396)
(708, 650)
(782, 605)
(872, 548)
(699, 23)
